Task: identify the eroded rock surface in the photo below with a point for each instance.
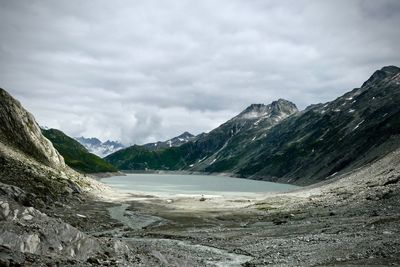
(20, 130)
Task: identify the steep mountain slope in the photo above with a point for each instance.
(95, 146)
(19, 130)
(173, 142)
(276, 143)
(76, 155)
(233, 134)
(29, 161)
(357, 128)
(37, 190)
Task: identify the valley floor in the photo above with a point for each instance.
(348, 222)
(281, 230)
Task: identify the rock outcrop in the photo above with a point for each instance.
(34, 180)
(29, 161)
(20, 131)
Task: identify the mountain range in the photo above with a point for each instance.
(173, 142)
(99, 148)
(277, 142)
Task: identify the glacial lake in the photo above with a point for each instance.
(177, 184)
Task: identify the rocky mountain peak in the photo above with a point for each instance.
(283, 106)
(92, 141)
(95, 146)
(276, 108)
(20, 131)
(379, 75)
(185, 135)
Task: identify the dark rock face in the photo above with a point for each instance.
(20, 130)
(355, 129)
(379, 75)
(277, 143)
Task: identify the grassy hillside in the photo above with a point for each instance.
(141, 158)
(75, 155)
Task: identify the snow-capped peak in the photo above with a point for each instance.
(95, 146)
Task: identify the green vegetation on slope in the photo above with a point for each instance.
(307, 147)
(195, 152)
(75, 155)
(140, 158)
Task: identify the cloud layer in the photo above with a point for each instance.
(140, 71)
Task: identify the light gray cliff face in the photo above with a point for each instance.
(20, 130)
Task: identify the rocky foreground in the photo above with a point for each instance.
(350, 221)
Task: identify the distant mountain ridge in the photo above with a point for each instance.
(173, 142)
(97, 147)
(277, 142)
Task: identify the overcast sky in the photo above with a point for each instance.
(140, 71)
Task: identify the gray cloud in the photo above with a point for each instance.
(141, 71)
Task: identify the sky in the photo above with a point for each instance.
(142, 71)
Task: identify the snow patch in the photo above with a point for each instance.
(254, 114)
(257, 122)
(358, 125)
(200, 160)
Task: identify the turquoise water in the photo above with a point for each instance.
(172, 184)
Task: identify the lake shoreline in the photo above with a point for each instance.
(171, 185)
(270, 179)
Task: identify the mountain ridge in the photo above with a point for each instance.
(301, 147)
(205, 145)
(173, 142)
(99, 148)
